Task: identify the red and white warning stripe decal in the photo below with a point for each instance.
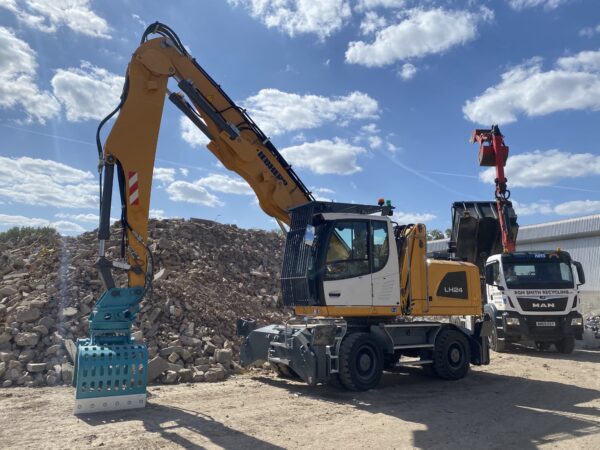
(134, 192)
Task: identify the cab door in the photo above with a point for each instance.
(384, 265)
(347, 274)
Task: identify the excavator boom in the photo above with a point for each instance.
(234, 139)
(110, 371)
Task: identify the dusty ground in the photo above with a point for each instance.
(522, 400)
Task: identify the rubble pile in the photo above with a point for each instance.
(591, 331)
(207, 275)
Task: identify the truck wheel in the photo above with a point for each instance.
(495, 343)
(566, 345)
(451, 355)
(361, 362)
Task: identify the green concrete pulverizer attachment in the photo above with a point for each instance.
(110, 368)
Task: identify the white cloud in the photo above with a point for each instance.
(418, 34)
(87, 92)
(589, 31)
(525, 89)
(372, 22)
(158, 214)
(86, 218)
(409, 217)
(277, 112)
(375, 141)
(191, 134)
(324, 191)
(9, 220)
(570, 208)
(184, 191)
(46, 183)
(62, 226)
(18, 68)
(587, 61)
(325, 156)
(407, 71)
(323, 194)
(185, 172)
(164, 175)
(66, 227)
(392, 147)
(370, 128)
(225, 184)
(528, 209)
(577, 207)
(323, 17)
(366, 5)
(48, 15)
(547, 4)
(544, 168)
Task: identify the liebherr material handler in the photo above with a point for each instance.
(354, 278)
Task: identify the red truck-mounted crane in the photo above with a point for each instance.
(493, 152)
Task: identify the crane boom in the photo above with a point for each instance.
(494, 152)
(236, 141)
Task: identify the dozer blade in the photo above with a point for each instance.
(110, 368)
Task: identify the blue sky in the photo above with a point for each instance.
(366, 99)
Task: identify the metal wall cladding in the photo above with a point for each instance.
(439, 245)
(561, 229)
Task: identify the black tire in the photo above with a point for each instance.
(496, 344)
(451, 355)
(284, 371)
(566, 345)
(361, 362)
(542, 346)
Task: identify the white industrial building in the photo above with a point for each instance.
(580, 237)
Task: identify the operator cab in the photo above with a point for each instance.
(333, 249)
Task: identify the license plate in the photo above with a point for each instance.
(545, 324)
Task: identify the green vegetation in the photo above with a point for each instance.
(17, 234)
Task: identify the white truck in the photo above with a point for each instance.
(530, 296)
(533, 296)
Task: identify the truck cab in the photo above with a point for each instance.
(533, 296)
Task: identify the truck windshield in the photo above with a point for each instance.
(538, 275)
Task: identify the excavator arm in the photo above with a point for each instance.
(236, 141)
(110, 368)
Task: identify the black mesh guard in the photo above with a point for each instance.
(295, 286)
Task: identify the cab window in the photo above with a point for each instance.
(380, 245)
(348, 250)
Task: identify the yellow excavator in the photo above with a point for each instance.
(360, 284)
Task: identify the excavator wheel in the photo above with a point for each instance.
(284, 371)
(361, 362)
(451, 355)
(566, 345)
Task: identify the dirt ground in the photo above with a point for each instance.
(522, 400)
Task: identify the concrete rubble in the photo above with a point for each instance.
(207, 276)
